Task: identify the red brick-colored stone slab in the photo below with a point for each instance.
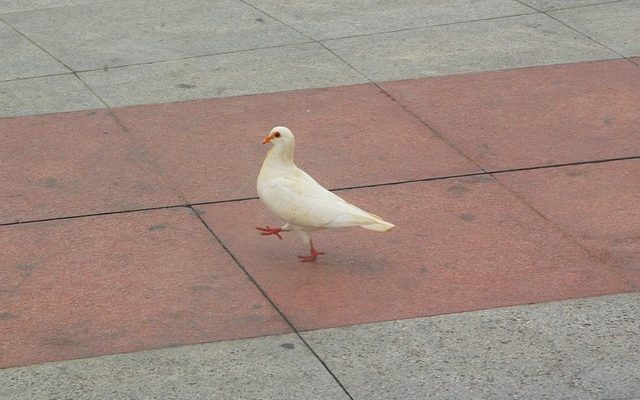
(73, 163)
(346, 136)
(119, 283)
(533, 116)
(460, 244)
(598, 204)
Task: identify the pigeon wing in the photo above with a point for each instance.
(301, 201)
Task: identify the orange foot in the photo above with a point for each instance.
(311, 257)
(267, 230)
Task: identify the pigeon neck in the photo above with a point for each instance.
(282, 154)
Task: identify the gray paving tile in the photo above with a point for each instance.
(20, 58)
(335, 19)
(45, 95)
(503, 43)
(600, 340)
(546, 5)
(7, 6)
(257, 71)
(616, 25)
(577, 349)
(123, 32)
(277, 367)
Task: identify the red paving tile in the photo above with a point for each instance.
(73, 163)
(346, 136)
(598, 204)
(460, 245)
(533, 116)
(112, 284)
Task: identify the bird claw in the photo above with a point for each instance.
(311, 257)
(267, 230)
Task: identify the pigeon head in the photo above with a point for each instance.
(279, 136)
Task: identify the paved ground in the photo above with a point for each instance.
(502, 137)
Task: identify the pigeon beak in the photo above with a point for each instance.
(267, 139)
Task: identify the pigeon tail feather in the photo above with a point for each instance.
(380, 226)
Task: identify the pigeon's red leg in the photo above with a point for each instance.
(311, 257)
(267, 230)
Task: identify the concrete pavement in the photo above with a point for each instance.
(502, 137)
(576, 349)
(116, 53)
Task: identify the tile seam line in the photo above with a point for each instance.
(35, 77)
(195, 56)
(407, 111)
(602, 263)
(97, 214)
(157, 168)
(467, 21)
(309, 41)
(532, 12)
(368, 82)
(406, 108)
(30, 10)
(373, 185)
(569, 8)
(72, 72)
(630, 58)
(489, 172)
(470, 21)
(548, 14)
(524, 201)
(372, 82)
(90, 89)
(258, 9)
(272, 302)
(588, 37)
(27, 38)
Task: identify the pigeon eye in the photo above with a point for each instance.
(277, 134)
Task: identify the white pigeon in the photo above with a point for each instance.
(296, 198)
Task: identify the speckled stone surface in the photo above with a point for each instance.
(460, 244)
(597, 204)
(614, 24)
(547, 5)
(211, 150)
(335, 19)
(109, 283)
(276, 367)
(120, 283)
(100, 34)
(42, 95)
(73, 164)
(578, 349)
(533, 116)
(482, 45)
